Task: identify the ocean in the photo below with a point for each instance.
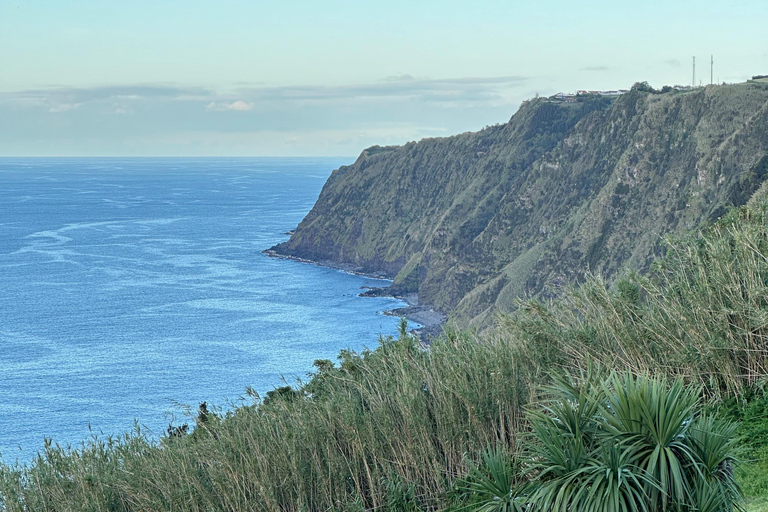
(133, 289)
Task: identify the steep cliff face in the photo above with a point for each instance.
(472, 222)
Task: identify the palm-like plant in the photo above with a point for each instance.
(709, 497)
(713, 443)
(612, 483)
(629, 444)
(496, 485)
(617, 444)
(557, 458)
(564, 439)
(652, 418)
(576, 465)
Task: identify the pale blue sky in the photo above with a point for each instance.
(267, 78)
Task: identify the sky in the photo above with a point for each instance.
(332, 77)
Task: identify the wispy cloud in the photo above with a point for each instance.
(237, 106)
(673, 63)
(130, 119)
(62, 99)
(448, 92)
(63, 107)
(596, 68)
(463, 91)
(398, 78)
(120, 109)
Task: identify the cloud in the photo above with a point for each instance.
(448, 92)
(464, 91)
(62, 99)
(673, 63)
(596, 68)
(479, 80)
(238, 106)
(399, 78)
(63, 107)
(120, 109)
(341, 119)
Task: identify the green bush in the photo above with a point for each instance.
(619, 444)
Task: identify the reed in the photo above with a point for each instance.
(398, 419)
(701, 314)
(396, 428)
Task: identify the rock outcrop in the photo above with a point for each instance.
(474, 221)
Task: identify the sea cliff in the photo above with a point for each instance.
(471, 223)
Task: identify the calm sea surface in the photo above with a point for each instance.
(130, 286)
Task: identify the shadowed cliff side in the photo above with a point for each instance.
(474, 221)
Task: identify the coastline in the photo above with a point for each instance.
(431, 320)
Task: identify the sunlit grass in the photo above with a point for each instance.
(756, 504)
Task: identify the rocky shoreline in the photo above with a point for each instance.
(431, 320)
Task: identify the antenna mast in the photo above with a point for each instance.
(693, 75)
(711, 69)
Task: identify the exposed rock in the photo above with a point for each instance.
(475, 221)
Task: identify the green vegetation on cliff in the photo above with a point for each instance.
(407, 428)
(475, 221)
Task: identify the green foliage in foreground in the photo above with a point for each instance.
(620, 444)
(403, 428)
(751, 415)
(702, 314)
(388, 426)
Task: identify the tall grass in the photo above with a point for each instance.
(702, 313)
(394, 418)
(394, 428)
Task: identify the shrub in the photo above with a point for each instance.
(618, 444)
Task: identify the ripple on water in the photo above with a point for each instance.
(133, 285)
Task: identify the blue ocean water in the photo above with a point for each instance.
(130, 286)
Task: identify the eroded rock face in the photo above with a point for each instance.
(474, 221)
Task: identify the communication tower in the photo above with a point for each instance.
(693, 75)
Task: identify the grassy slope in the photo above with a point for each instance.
(751, 412)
